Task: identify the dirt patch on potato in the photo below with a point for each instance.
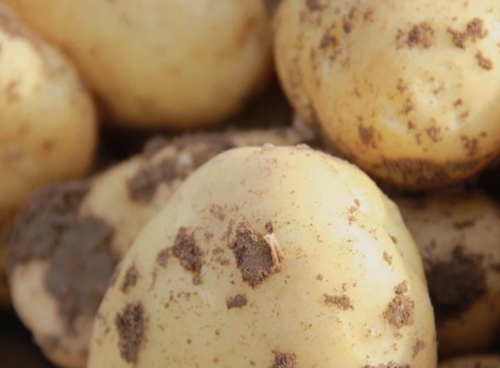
(131, 325)
(455, 285)
(188, 253)
(77, 248)
(237, 301)
(256, 257)
(400, 312)
(282, 360)
(130, 279)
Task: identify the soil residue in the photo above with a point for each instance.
(131, 326)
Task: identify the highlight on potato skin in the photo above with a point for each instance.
(162, 63)
(457, 233)
(58, 279)
(291, 259)
(406, 90)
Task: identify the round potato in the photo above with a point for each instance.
(407, 90)
(290, 258)
(66, 242)
(170, 63)
(48, 131)
(457, 234)
(479, 361)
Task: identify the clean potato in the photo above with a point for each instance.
(48, 130)
(457, 233)
(479, 361)
(66, 242)
(170, 63)
(407, 90)
(291, 258)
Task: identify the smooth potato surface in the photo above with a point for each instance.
(170, 63)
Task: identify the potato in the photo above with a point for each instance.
(479, 361)
(68, 239)
(290, 258)
(457, 234)
(169, 63)
(48, 131)
(407, 90)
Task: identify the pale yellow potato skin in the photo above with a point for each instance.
(331, 225)
(479, 361)
(439, 223)
(389, 84)
(171, 63)
(49, 129)
(109, 199)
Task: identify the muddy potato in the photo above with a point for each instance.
(58, 279)
(292, 258)
(48, 131)
(457, 234)
(407, 90)
(179, 64)
(479, 361)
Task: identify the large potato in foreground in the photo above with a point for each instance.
(66, 242)
(458, 235)
(48, 131)
(290, 258)
(408, 90)
(172, 63)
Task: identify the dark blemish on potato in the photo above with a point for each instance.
(343, 302)
(131, 324)
(76, 248)
(188, 253)
(272, 6)
(329, 40)
(142, 186)
(483, 62)
(283, 360)
(256, 256)
(162, 257)
(387, 258)
(217, 212)
(366, 134)
(455, 285)
(473, 32)
(421, 172)
(420, 34)
(237, 301)
(434, 133)
(459, 225)
(400, 312)
(314, 5)
(418, 347)
(130, 279)
(269, 227)
(368, 15)
(319, 277)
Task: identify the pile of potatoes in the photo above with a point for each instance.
(252, 183)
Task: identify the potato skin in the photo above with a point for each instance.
(457, 234)
(118, 202)
(49, 129)
(170, 63)
(279, 261)
(479, 361)
(407, 90)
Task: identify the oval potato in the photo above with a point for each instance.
(170, 63)
(58, 279)
(457, 233)
(407, 90)
(292, 258)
